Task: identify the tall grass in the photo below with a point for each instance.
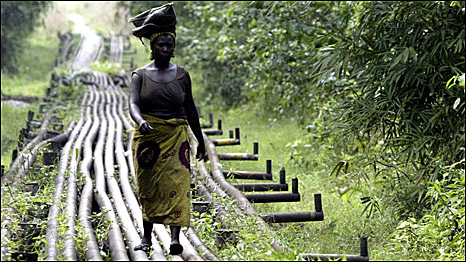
(36, 64)
(343, 224)
(13, 120)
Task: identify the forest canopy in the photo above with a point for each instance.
(19, 19)
(379, 84)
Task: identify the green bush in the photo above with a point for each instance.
(19, 18)
(109, 68)
(439, 235)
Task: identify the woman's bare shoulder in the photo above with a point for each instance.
(149, 65)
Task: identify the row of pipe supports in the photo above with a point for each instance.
(283, 217)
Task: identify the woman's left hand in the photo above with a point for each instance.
(200, 152)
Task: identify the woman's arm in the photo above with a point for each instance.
(134, 104)
(193, 117)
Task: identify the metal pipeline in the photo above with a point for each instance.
(204, 193)
(14, 172)
(197, 243)
(114, 236)
(273, 198)
(122, 101)
(129, 158)
(85, 203)
(214, 132)
(124, 171)
(6, 219)
(157, 251)
(54, 211)
(228, 142)
(241, 156)
(69, 246)
(242, 201)
(189, 252)
(125, 185)
(285, 217)
(238, 156)
(129, 230)
(277, 197)
(364, 254)
(211, 119)
(252, 175)
(261, 187)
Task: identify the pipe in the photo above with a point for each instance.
(54, 211)
(212, 132)
(85, 203)
(317, 215)
(15, 166)
(363, 256)
(241, 156)
(272, 198)
(197, 243)
(286, 217)
(237, 156)
(211, 121)
(69, 246)
(242, 201)
(127, 223)
(226, 142)
(157, 252)
(162, 235)
(5, 232)
(255, 175)
(125, 185)
(280, 197)
(114, 236)
(247, 175)
(201, 206)
(261, 187)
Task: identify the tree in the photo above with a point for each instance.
(19, 18)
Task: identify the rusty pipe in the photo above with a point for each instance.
(363, 256)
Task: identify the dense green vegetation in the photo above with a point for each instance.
(364, 102)
(19, 19)
(378, 86)
(33, 77)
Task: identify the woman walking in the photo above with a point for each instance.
(162, 106)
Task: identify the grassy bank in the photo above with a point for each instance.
(343, 224)
(37, 63)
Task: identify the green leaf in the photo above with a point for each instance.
(396, 61)
(461, 79)
(457, 102)
(405, 55)
(452, 81)
(413, 53)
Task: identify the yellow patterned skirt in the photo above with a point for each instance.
(162, 166)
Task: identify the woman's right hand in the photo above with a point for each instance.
(144, 127)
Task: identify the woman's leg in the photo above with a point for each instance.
(175, 230)
(146, 239)
(146, 242)
(175, 247)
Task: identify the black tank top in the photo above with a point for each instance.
(163, 100)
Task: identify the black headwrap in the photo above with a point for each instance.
(155, 21)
